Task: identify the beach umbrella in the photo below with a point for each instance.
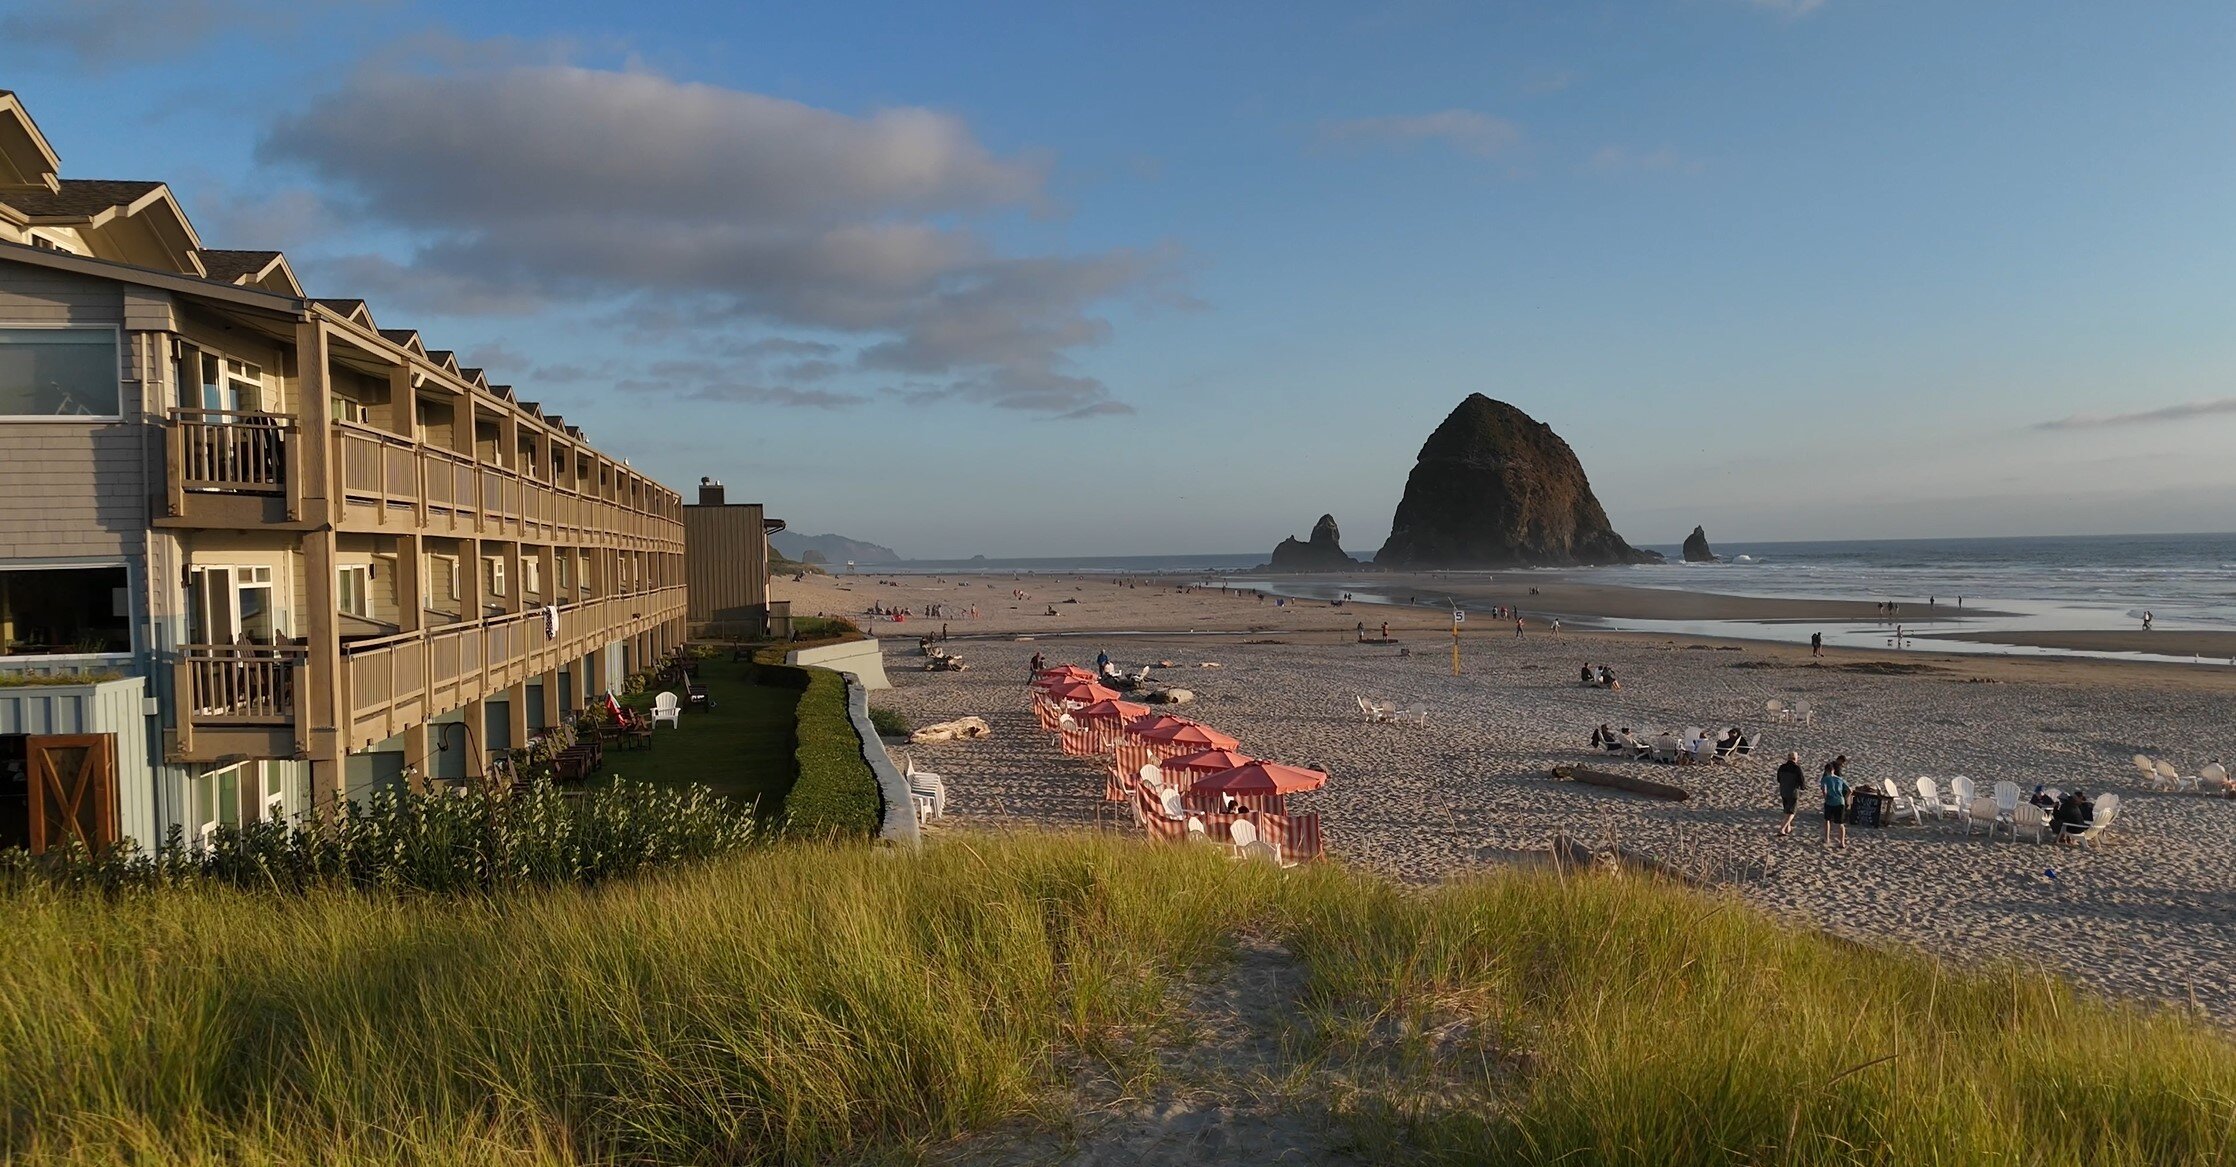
(1261, 777)
(1147, 722)
(1191, 734)
(1066, 675)
(1110, 708)
(1084, 692)
(1207, 762)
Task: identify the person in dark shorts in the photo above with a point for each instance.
(1790, 779)
(1816, 644)
(1835, 790)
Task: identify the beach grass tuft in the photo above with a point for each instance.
(803, 1003)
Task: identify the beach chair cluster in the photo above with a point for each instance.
(1798, 713)
(2005, 809)
(1180, 780)
(2160, 774)
(1694, 746)
(926, 789)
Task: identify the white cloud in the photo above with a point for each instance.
(699, 209)
(2182, 412)
(1465, 130)
(99, 34)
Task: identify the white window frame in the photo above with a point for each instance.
(123, 362)
(427, 574)
(363, 587)
(275, 582)
(531, 575)
(492, 576)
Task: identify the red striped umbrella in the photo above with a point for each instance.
(1194, 735)
(1261, 777)
(1085, 693)
(1206, 762)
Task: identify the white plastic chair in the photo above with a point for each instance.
(2006, 807)
(1242, 832)
(1961, 792)
(1366, 709)
(1929, 794)
(1777, 710)
(1173, 808)
(1258, 849)
(2212, 776)
(1899, 803)
(2100, 817)
(1417, 713)
(665, 708)
(1196, 831)
(1803, 713)
(2033, 818)
(1980, 812)
(1150, 775)
(2149, 768)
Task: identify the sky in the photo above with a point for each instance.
(1146, 278)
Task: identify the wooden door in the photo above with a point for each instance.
(73, 790)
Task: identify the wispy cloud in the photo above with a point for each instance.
(1468, 131)
(1612, 160)
(2182, 412)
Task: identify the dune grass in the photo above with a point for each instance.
(809, 1004)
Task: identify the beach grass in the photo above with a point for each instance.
(812, 1004)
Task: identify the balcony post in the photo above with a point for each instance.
(411, 583)
(321, 713)
(417, 753)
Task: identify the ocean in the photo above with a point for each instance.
(2046, 582)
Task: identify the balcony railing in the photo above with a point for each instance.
(218, 449)
(241, 684)
(395, 681)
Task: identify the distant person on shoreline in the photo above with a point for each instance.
(1556, 629)
(1517, 627)
(2146, 621)
(1816, 644)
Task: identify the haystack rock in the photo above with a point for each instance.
(1696, 548)
(1495, 487)
(1323, 552)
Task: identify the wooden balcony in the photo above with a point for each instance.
(239, 701)
(394, 682)
(242, 471)
(232, 469)
(391, 483)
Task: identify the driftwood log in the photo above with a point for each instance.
(1625, 782)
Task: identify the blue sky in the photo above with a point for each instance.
(1053, 279)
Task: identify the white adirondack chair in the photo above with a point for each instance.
(1960, 789)
(665, 708)
(2007, 807)
(1930, 795)
(1899, 803)
(1803, 713)
(2032, 818)
(2212, 777)
(2106, 809)
(1242, 832)
(1777, 710)
(1150, 775)
(1980, 813)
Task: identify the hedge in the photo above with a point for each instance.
(835, 795)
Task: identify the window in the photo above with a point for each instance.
(493, 575)
(559, 564)
(60, 372)
(353, 590)
(531, 576)
(442, 579)
(348, 410)
(231, 605)
(62, 611)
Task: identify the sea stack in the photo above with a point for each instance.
(1495, 487)
(1696, 547)
(1323, 552)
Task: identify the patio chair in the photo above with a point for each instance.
(2032, 818)
(1242, 833)
(2100, 817)
(1803, 713)
(1777, 710)
(1960, 790)
(1746, 746)
(1170, 799)
(1258, 849)
(1196, 831)
(2148, 766)
(2213, 777)
(1150, 775)
(1417, 713)
(926, 786)
(1929, 794)
(665, 708)
(2007, 802)
(1899, 803)
(1980, 812)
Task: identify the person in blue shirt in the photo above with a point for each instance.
(1102, 664)
(1835, 790)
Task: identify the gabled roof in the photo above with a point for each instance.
(354, 310)
(445, 358)
(25, 156)
(83, 198)
(268, 270)
(404, 337)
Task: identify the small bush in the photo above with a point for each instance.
(890, 722)
(473, 841)
(833, 628)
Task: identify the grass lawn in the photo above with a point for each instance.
(741, 749)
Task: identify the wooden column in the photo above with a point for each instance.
(411, 583)
(419, 755)
(320, 712)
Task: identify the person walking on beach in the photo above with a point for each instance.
(1517, 627)
(2146, 621)
(1835, 790)
(1816, 644)
(1556, 629)
(1790, 779)
(1039, 662)
(1385, 630)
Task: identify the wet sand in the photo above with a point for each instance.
(2211, 646)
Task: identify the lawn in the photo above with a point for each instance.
(741, 749)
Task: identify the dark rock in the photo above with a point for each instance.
(1323, 552)
(1696, 547)
(1494, 487)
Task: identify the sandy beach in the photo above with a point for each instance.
(2150, 912)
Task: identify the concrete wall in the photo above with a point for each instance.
(899, 824)
(863, 660)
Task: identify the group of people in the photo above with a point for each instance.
(1832, 784)
(1599, 677)
(2070, 813)
(1622, 741)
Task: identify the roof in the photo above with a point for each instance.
(226, 265)
(81, 198)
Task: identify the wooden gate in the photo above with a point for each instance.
(73, 790)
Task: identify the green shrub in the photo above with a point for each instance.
(471, 841)
(890, 722)
(835, 795)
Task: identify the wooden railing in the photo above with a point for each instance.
(216, 449)
(241, 684)
(396, 476)
(395, 681)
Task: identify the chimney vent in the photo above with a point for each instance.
(710, 493)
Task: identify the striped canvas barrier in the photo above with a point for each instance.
(1152, 814)
(1296, 836)
(1047, 712)
(1131, 754)
(1209, 801)
(1073, 737)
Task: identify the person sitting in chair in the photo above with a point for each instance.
(1727, 743)
(1603, 737)
(2072, 816)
